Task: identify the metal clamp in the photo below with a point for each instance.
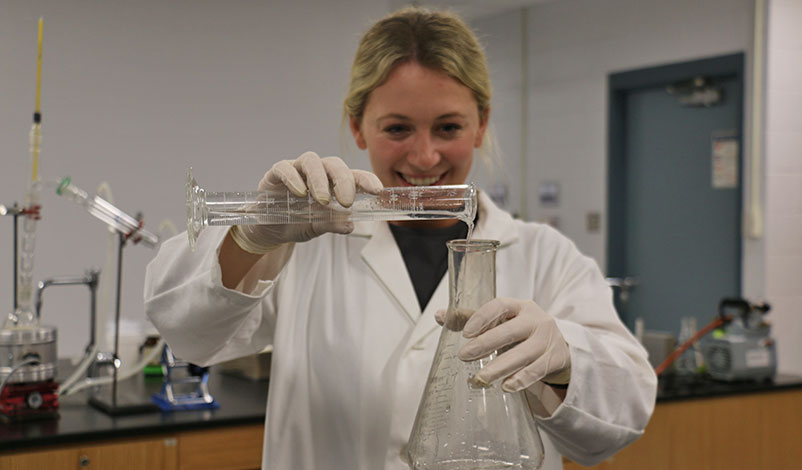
(90, 280)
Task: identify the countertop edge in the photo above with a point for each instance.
(148, 431)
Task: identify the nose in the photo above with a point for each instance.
(424, 154)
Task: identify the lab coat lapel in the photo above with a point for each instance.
(384, 258)
(427, 325)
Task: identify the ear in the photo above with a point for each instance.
(483, 120)
(356, 131)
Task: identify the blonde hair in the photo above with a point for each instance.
(434, 39)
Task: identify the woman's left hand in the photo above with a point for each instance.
(538, 352)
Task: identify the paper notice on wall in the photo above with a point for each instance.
(725, 162)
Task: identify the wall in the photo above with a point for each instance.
(575, 44)
(135, 92)
(503, 47)
(783, 141)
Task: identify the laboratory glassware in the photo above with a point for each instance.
(27, 355)
(105, 211)
(461, 425)
(688, 360)
(127, 228)
(23, 313)
(205, 208)
(28, 350)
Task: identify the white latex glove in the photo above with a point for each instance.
(310, 173)
(538, 352)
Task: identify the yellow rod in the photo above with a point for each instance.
(36, 130)
(39, 71)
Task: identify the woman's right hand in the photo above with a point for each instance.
(307, 173)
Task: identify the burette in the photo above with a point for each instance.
(23, 314)
(205, 208)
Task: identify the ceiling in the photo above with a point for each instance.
(472, 9)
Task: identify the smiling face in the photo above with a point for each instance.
(420, 128)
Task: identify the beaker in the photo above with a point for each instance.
(205, 208)
(461, 426)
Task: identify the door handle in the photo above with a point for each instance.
(624, 284)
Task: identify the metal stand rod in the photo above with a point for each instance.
(94, 278)
(117, 318)
(120, 403)
(16, 248)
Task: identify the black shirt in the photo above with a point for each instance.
(426, 255)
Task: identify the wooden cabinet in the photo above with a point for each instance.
(35, 460)
(225, 448)
(222, 449)
(152, 453)
(125, 455)
(757, 431)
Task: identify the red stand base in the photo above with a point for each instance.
(26, 401)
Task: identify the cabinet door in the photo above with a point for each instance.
(36, 460)
(236, 448)
(758, 431)
(151, 454)
(130, 455)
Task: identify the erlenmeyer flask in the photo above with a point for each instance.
(461, 426)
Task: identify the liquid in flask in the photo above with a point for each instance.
(459, 425)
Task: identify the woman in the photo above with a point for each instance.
(350, 309)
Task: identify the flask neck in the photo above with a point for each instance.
(471, 279)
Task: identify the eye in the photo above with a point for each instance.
(397, 130)
(449, 129)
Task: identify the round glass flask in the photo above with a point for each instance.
(459, 425)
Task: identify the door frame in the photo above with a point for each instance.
(618, 86)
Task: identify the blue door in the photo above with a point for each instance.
(674, 213)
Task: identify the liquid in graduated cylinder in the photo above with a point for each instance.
(461, 426)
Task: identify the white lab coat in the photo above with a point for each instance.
(352, 350)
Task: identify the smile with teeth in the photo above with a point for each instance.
(421, 181)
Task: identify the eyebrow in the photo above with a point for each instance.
(401, 117)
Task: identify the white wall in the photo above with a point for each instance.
(783, 141)
(135, 92)
(503, 48)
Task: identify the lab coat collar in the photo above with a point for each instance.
(381, 253)
(494, 223)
